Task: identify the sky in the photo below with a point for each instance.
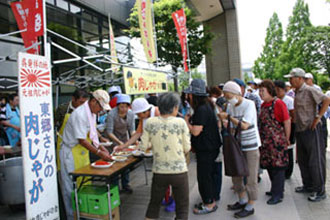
(253, 19)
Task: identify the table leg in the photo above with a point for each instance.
(109, 202)
(145, 170)
(76, 198)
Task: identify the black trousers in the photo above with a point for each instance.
(324, 131)
(206, 167)
(277, 178)
(217, 175)
(180, 187)
(289, 170)
(311, 154)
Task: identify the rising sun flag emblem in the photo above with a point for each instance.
(34, 78)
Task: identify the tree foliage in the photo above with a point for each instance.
(306, 46)
(293, 52)
(264, 66)
(168, 45)
(317, 41)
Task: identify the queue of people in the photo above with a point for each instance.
(270, 122)
(272, 116)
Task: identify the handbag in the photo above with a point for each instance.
(235, 162)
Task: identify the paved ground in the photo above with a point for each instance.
(294, 207)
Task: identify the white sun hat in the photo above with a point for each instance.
(140, 105)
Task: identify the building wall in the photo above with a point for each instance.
(119, 10)
(224, 62)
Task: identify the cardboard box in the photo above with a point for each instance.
(115, 215)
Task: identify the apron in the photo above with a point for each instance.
(273, 149)
(72, 159)
(120, 129)
(59, 140)
(14, 118)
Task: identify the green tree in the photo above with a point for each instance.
(264, 66)
(168, 46)
(293, 52)
(184, 78)
(317, 41)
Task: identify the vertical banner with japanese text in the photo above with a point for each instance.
(37, 137)
(179, 19)
(29, 16)
(113, 52)
(146, 29)
(142, 81)
(35, 18)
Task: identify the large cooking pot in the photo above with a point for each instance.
(11, 181)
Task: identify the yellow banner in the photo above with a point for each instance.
(146, 29)
(140, 81)
(113, 52)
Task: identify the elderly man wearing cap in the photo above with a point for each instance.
(120, 126)
(311, 151)
(243, 110)
(79, 138)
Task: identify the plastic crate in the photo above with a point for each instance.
(82, 200)
(98, 200)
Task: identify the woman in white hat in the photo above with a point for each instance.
(243, 110)
(143, 110)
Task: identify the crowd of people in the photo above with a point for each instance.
(272, 117)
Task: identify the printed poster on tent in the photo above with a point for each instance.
(141, 81)
(37, 137)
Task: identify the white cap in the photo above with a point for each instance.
(287, 84)
(257, 81)
(114, 89)
(308, 76)
(140, 105)
(328, 93)
(103, 98)
(232, 87)
(248, 88)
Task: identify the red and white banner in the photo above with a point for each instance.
(179, 19)
(29, 16)
(35, 18)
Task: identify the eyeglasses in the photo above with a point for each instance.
(99, 103)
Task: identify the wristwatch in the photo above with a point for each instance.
(318, 116)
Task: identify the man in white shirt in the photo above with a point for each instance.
(79, 138)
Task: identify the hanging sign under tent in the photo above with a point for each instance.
(142, 81)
